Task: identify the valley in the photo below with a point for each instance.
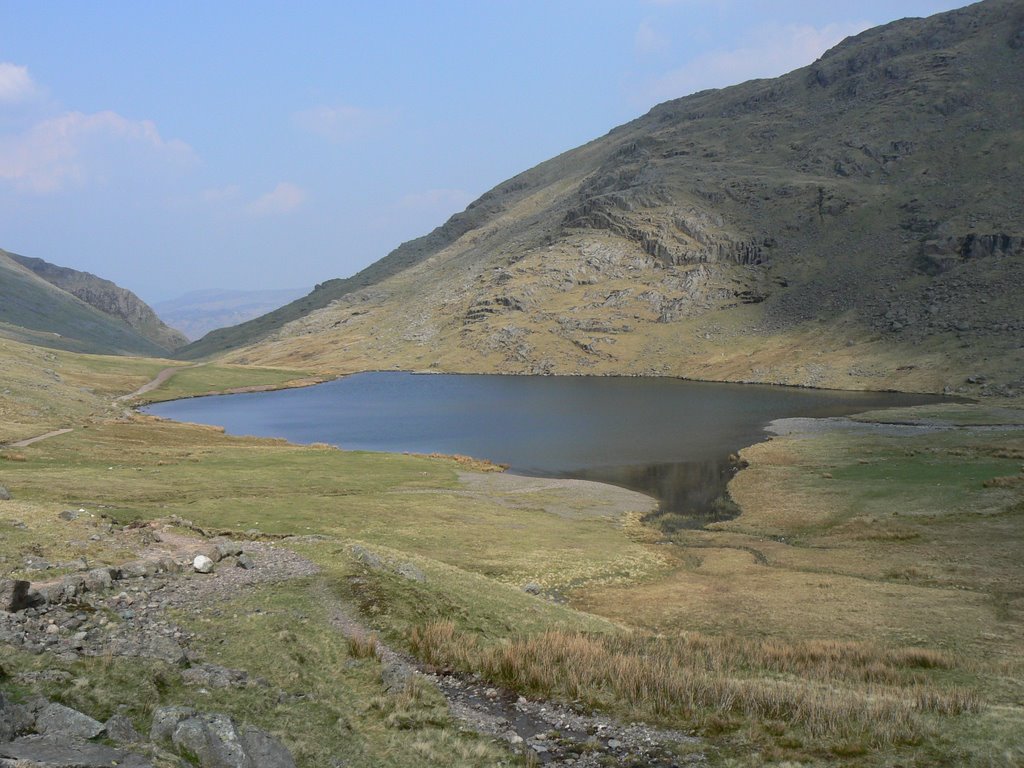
(175, 596)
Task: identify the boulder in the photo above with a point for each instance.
(227, 549)
(14, 595)
(5, 495)
(202, 564)
(15, 719)
(244, 561)
(264, 750)
(166, 719)
(120, 728)
(410, 571)
(396, 676)
(64, 722)
(97, 580)
(215, 676)
(215, 741)
(367, 558)
(53, 752)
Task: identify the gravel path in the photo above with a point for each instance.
(29, 440)
(159, 379)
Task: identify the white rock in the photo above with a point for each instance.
(203, 564)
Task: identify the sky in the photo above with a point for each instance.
(182, 146)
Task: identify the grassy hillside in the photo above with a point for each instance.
(108, 298)
(852, 224)
(35, 311)
(866, 611)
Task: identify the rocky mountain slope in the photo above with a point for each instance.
(197, 313)
(51, 306)
(857, 223)
(109, 298)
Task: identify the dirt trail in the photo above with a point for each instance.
(29, 440)
(159, 379)
(553, 734)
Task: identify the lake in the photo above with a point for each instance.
(665, 437)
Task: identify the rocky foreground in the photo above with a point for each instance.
(125, 611)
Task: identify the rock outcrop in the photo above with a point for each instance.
(109, 298)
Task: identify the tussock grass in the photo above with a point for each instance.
(830, 690)
(362, 645)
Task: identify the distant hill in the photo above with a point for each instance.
(857, 223)
(197, 313)
(51, 306)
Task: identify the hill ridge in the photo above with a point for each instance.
(851, 224)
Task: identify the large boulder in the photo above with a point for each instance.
(14, 595)
(54, 752)
(15, 719)
(216, 741)
(64, 722)
(213, 740)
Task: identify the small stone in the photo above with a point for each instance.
(5, 495)
(532, 588)
(614, 743)
(411, 572)
(367, 558)
(202, 564)
(244, 561)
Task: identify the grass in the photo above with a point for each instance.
(323, 701)
(864, 609)
(209, 378)
(844, 691)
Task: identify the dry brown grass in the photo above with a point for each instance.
(362, 645)
(830, 690)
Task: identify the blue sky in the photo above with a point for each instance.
(180, 146)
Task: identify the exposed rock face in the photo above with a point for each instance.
(60, 721)
(796, 230)
(216, 741)
(15, 719)
(109, 298)
(50, 752)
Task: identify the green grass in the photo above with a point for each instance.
(154, 469)
(835, 562)
(209, 378)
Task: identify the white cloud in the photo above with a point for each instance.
(774, 51)
(283, 198)
(648, 39)
(15, 83)
(341, 123)
(77, 149)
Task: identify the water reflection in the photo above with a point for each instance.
(691, 494)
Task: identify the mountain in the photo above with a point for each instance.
(198, 312)
(856, 223)
(51, 306)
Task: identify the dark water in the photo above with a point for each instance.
(665, 437)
